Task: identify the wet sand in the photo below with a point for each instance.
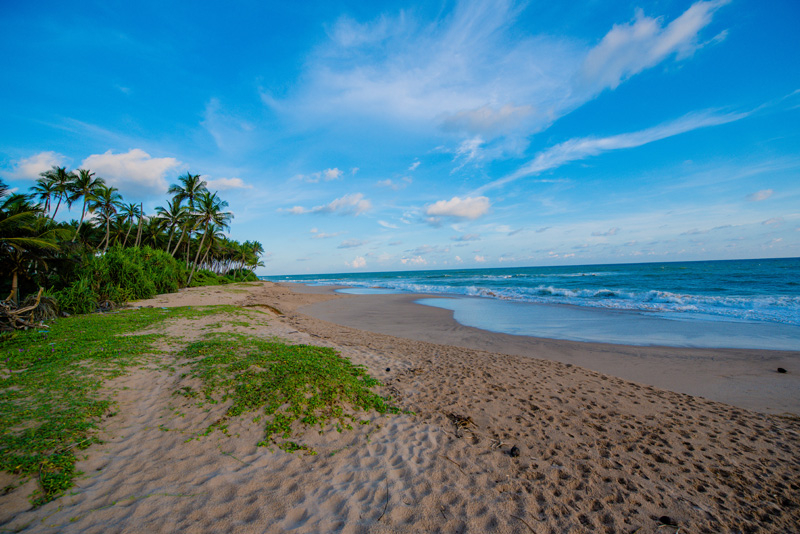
(746, 378)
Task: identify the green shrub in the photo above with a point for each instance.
(120, 275)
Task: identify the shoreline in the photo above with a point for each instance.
(746, 378)
(485, 442)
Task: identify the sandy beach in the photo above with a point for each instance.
(501, 434)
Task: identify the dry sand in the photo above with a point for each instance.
(597, 453)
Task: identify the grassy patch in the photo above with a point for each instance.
(285, 383)
(49, 381)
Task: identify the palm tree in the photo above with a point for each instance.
(172, 216)
(209, 211)
(190, 187)
(129, 211)
(43, 191)
(83, 186)
(61, 180)
(25, 240)
(107, 201)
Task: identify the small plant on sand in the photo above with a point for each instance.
(287, 383)
(50, 406)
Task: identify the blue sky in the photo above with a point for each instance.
(379, 136)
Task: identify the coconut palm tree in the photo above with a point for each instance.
(107, 201)
(129, 211)
(43, 191)
(25, 240)
(83, 186)
(189, 188)
(209, 211)
(172, 217)
(61, 180)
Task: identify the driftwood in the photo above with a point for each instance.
(18, 318)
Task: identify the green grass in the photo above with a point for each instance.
(282, 383)
(49, 382)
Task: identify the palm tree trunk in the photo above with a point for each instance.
(199, 248)
(125, 242)
(83, 214)
(15, 287)
(178, 244)
(139, 230)
(108, 233)
(171, 232)
(57, 205)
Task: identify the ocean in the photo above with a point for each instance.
(736, 303)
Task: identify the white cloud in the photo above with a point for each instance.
(631, 48)
(480, 259)
(775, 221)
(414, 165)
(332, 174)
(387, 225)
(584, 147)
(30, 168)
(758, 196)
(223, 184)
(357, 263)
(462, 208)
(133, 172)
(417, 260)
(352, 204)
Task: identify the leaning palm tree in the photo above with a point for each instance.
(172, 217)
(128, 212)
(107, 201)
(44, 191)
(209, 211)
(83, 186)
(61, 180)
(191, 186)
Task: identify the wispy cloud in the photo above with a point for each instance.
(758, 196)
(395, 186)
(352, 243)
(476, 74)
(466, 237)
(607, 233)
(631, 48)
(316, 234)
(585, 147)
(327, 175)
(352, 204)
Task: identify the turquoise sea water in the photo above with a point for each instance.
(751, 298)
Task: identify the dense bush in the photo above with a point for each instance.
(120, 275)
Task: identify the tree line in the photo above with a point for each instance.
(185, 238)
